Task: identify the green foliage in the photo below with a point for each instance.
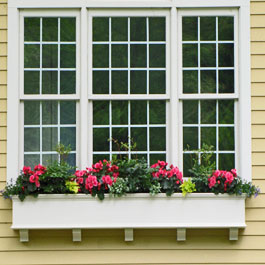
(204, 162)
(119, 188)
(72, 186)
(155, 188)
(63, 151)
(187, 187)
(136, 174)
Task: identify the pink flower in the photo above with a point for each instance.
(97, 167)
(162, 163)
(91, 181)
(34, 179)
(234, 172)
(40, 167)
(212, 181)
(217, 173)
(115, 174)
(27, 170)
(229, 177)
(80, 173)
(80, 180)
(107, 180)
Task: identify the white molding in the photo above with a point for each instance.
(244, 110)
(125, 4)
(13, 122)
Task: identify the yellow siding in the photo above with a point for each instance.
(150, 246)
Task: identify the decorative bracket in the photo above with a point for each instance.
(233, 233)
(24, 235)
(181, 234)
(128, 234)
(77, 235)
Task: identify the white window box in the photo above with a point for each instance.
(198, 210)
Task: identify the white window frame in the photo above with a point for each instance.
(84, 134)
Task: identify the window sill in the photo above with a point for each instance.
(79, 211)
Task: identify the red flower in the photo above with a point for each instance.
(40, 167)
(27, 171)
(34, 179)
(212, 181)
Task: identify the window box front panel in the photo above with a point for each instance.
(133, 211)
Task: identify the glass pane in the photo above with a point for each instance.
(139, 112)
(100, 112)
(31, 139)
(100, 82)
(31, 29)
(31, 160)
(226, 138)
(68, 137)
(119, 112)
(226, 111)
(31, 82)
(67, 56)
(68, 112)
(119, 55)
(139, 136)
(49, 158)
(188, 163)
(68, 31)
(190, 111)
(100, 29)
(226, 81)
(49, 112)
(208, 81)
(31, 112)
(208, 55)
(50, 29)
(97, 158)
(49, 139)
(157, 29)
(138, 28)
(100, 139)
(226, 161)
(49, 82)
(190, 138)
(226, 55)
(208, 136)
(189, 28)
(50, 56)
(190, 55)
(119, 82)
(119, 29)
(208, 111)
(100, 56)
(225, 28)
(157, 82)
(157, 139)
(208, 28)
(138, 55)
(138, 82)
(67, 82)
(31, 56)
(157, 112)
(157, 55)
(120, 135)
(190, 81)
(155, 157)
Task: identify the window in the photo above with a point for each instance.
(166, 79)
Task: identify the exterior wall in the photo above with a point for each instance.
(150, 246)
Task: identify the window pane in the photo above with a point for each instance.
(50, 29)
(208, 81)
(49, 82)
(157, 139)
(101, 82)
(120, 55)
(189, 28)
(100, 29)
(138, 82)
(49, 56)
(31, 29)
(67, 30)
(190, 138)
(207, 28)
(190, 55)
(100, 56)
(138, 28)
(31, 56)
(67, 56)
(226, 28)
(31, 82)
(190, 81)
(100, 112)
(157, 82)
(157, 29)
(119, 29)
(67, 82)
(119, 81)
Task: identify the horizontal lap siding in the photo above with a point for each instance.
(150, 246)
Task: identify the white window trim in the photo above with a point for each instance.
(14, 122)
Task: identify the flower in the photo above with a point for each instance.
(234, 172)
(229, 177)
(27, 170)
(91, 181)
(212, 181)
(40, 167)
(34, 179)
(107, 180)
